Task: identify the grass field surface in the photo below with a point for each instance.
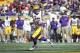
(42, 48)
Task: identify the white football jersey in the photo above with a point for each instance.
(7, 23)
(26, 25)
(74, 21)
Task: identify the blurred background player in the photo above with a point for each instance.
(27, 28)
(64, 20)
(2, 37)
(19, 25)
(13, 36)
(7, 29)
(74, 24)
(53, 25)
(46, 24)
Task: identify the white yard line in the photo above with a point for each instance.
(59, 44)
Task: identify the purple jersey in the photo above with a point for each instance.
(20, 24)
(53, 25)
(64, 21)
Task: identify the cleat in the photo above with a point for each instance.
(32, 48)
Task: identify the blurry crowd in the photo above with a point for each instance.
(59, 19)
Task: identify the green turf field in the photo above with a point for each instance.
(43, 48)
